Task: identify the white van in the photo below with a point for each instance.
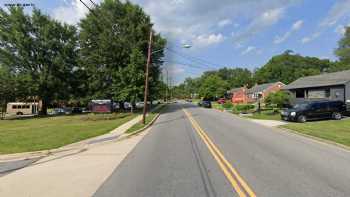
(22, 109)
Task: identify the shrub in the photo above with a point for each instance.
(227, 105)
(278, 99)
(244, 107)
(97, 117)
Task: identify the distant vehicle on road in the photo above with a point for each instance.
(22, 108)
(206, 104)
(314, 110)
(221, 101)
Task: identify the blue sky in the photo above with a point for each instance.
(232, 33)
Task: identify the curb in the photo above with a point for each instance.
(127, 136)
(310, 137)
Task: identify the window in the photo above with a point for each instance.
(300, 94)
(14, 106)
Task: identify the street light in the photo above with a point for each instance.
(150, 53)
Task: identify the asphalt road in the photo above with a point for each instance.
(204, 152)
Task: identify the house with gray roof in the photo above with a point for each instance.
(332, 86)
(263, 90)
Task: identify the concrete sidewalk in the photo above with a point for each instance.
(76, 173)
(268, 123)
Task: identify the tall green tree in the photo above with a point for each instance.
(111, 37)
(343, 50)
(288, 67)
(40, 48)
(213, 87)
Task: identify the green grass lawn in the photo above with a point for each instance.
(266, 115)
(149, 118)
(52, 132)
(337, 131)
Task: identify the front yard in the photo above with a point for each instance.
(52, 132)
(266, 115)
(337, 131)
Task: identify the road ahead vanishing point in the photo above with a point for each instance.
(192, 151)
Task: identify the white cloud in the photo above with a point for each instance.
(196, 17)
(224, 23)
(251, 49)
(265, 20)
(310, 38)
(340, 30)
(72, 12)
(186, 19)
(295, 27)
(207, 40)
(339, 10)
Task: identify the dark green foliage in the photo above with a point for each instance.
(279, 99)
(343, 50)
(227, 105)
(244, 107)
(40, 54)
(213, 87)
(287, 68)
(114, 44)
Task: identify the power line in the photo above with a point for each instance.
(195, 59)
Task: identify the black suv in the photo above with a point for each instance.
(204, 103)
(314, 110)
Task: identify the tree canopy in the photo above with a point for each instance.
(343, 50)
(40, 51)
(114, 41)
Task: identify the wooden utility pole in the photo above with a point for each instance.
(146, 77)
(167, 86)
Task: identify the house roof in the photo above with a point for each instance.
(234, 90)
(329, 79)
(261, 87)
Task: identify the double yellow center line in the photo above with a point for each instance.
(237, 182)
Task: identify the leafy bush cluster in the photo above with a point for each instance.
(242, 108)
(98, 117)
(227, 105)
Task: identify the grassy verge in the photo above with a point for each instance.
(336, 131)
(216, 105)
(266, 115)
(149, 118)
(53, 132)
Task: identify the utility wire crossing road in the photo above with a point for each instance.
(192, 151)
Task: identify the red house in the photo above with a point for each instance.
(239, 95)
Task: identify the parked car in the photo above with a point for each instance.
(77, 110)
(221, 101)
(140, 105)
(314, 110)
(206, 104)
(200, 103)
(58, 111)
